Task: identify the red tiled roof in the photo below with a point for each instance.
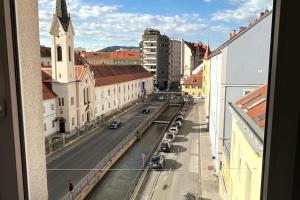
(47, 91)
(116, 55)
(196, 46)
(207, 53)
(195, 79)
(46, 74)
(112, 74)
(254, 105)
(45, 51)
(80, 72)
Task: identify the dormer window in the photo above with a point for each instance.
(59, 53)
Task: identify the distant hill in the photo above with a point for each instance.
(115, 48)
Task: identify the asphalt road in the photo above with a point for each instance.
(87, 154)
(117, 183)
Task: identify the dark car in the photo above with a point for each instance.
(146, 111)
(165, 146)
(157, 162)
(115, 124)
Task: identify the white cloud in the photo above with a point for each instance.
(104, 23)
(246, 10)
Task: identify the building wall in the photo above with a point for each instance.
(253, 60)
(83, 109)
(224, 178)
(46, 61)
(162, 70)
(193, 90)
(246, 178)
(215, 105)
(187, 54)
(49, 109)
(206, 84)
(149, 46)
(175, 63)
(66, 110)
(112, 97)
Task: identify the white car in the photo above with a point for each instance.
(161, 97)
(174, 129)
(169, 136)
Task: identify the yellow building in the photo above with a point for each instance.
(240, 174)
(206, 80)
(193, 84)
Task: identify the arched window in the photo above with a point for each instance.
(70, 54)
(59, 53)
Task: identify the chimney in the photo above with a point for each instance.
(233, 32)
(242, 28)
(261, 14)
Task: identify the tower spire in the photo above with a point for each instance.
(62, 13)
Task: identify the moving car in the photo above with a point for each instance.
(146, 111)
(157, 162)
(165, 146)
(115, 124)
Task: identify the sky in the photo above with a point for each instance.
(102, 23)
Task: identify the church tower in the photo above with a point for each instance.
(62, 50)
(63, 70)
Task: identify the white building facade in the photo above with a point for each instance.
(238, 67)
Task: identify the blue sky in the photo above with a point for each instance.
(101, 23)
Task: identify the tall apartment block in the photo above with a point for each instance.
(155, 56)
(175, 63)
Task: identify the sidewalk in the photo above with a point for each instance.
(208, 179)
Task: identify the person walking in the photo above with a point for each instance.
(70, 188)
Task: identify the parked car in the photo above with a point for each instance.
(161, 97)
(180, 117)
(157, 162)
(145, 110)
(115, 124)
(178, 123)
(174, 129)
(165, 145)
(170, 136)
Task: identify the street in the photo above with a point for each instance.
(76, 162)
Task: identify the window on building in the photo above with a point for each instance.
(53, 124)
(73, 121)
(108, 92)
(119, 89)
(52, 106)
(45, 127)
(62, 101)
(44, 109)
(82, 117)
(108, 104)
(70, 55)
(102, 107)
(59, 53)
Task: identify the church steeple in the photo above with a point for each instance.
(62, 50)
(62, 13)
